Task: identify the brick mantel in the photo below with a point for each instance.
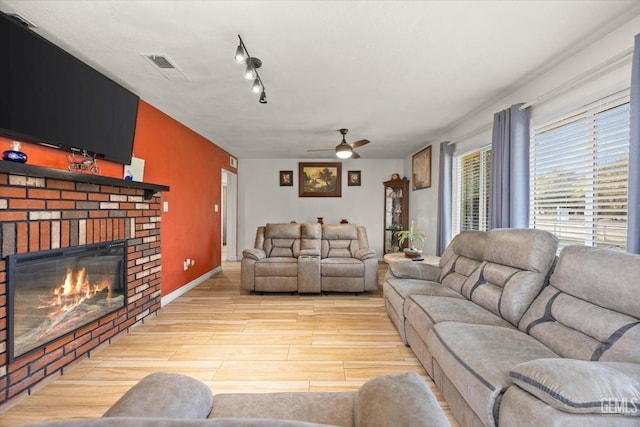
(42, 209)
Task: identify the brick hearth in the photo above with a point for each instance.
(38, 213)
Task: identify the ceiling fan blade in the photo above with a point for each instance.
(323, 149)
(359, 143)
(355, 155)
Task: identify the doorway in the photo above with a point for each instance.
(229, 215)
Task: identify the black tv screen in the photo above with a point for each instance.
(50, 97)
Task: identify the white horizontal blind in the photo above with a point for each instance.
(579, 174)
(471, 197)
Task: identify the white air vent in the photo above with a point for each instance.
(233, 162)
(21, 19)
(166, 66)
(161, 61)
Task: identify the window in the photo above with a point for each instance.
(579, 174)
(472, 172)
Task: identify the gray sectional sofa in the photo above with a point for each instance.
(512, 339)
(310, 258)
(164, 399)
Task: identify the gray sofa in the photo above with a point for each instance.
(310, 258)
(508, 347)
(164, 399)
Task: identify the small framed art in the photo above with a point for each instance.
(353, 179)
(286, 178)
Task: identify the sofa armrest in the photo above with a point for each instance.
(254, 253)
(415, 270)
(165, 395)
(580, 386)
(398, 400)
(365, 253)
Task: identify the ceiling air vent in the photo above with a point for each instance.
(166, 66)
(21, 19)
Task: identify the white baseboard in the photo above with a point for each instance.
(186, 288)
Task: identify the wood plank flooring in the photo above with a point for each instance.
(236, 341)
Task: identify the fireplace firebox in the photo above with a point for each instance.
(53, 293)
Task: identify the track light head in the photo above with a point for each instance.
(241, 55)
(263, 97)
(257, 87)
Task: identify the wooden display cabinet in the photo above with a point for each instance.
(396, 211)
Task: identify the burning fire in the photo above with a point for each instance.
(74, 291)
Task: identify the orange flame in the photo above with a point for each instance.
(74, 291)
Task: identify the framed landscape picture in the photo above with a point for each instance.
(421, 169)
(319, 179)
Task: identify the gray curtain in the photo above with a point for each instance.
(509, 188)
(445, 183)
(633, 214)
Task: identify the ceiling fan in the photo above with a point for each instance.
(344, 150)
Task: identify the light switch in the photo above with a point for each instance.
(165, 206)
(216, 208)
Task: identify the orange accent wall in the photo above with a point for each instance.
(191, 166)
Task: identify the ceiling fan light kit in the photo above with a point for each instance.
(344, 150)
(242, 56)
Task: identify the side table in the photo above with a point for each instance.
(400, 257)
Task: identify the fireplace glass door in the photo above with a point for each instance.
(53, 293)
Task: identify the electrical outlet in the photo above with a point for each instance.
(186, 264)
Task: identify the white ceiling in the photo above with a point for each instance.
(398, 73)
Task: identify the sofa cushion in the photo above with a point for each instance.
(282, 240)
(515, 268)
(423, 311)
(173, 422)
(519, 408)
(342, 267)
(398, 400)
(580, 386)
(335, 408)
(477, 360)
(591, 310)
(164, 395)
(277, 266)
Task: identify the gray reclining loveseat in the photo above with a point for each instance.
(310, 258)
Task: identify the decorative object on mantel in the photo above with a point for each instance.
(320, 221)
(85, 164)
(344, 221)
(15, 155)
(135, 170)
(414, 237)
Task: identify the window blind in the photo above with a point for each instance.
(579, 174)
(471, 201)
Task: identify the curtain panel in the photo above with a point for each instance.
(445, 194)
(509, 188)
(633, 214)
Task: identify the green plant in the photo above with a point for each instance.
(411, 235)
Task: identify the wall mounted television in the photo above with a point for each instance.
(48, 96)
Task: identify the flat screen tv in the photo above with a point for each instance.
(50, 97)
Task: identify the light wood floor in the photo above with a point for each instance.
(235, 341)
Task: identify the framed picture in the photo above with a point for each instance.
(286, 178)
(353, 179)
(319, 179)
(421, 169)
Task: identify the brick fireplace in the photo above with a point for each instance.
(45, 209)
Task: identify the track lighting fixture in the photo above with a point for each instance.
(251, 72)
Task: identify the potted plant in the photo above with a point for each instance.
(413, 237)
